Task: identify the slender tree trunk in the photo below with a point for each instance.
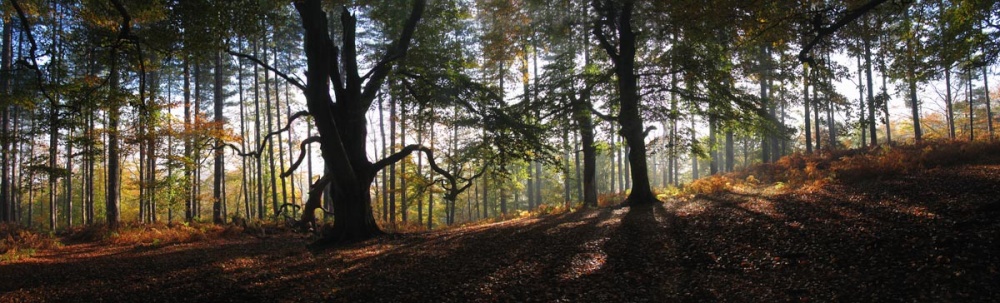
(862, 125)
(188, 144)
(765, 147)
(112, 200)
(393, 119)
(220, 171)
(972, 116)
(730, 153)
(430, 193)
(270, 143)
(7, 209)
(280, 143)
(911, 79)
(403, 203)
(805, 106)
(385, 153)
(245, 184)
(258, 139)
(871, 95)
(694, 156)
(986, 90)
(885, 105)
(817, 106)
(948, 103)
(565, 173)
(713, 151)
(291, 148)
(69, 180)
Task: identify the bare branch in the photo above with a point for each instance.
(302, 155)
(266, 66)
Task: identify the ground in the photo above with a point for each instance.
(928, 236)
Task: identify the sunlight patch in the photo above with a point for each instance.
(563, 226)
(764, 207)
(504, 276)
(691, 208)
(587, 262)
(917, 211)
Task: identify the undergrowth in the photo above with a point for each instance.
(801, 171)
(17, 242)
(155, 234)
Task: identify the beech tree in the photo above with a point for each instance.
(341, 125)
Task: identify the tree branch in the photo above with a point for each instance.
(266, 66)
(599, 33)
(302, 155)
(822, 32)
(398, 50)
(33, 49)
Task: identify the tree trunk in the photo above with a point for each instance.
(765, 147)
(112, 199)
(220, 171)
(6, 194)
(911, 79)
(948, 103)
(805, 106)
(188, 144)
(713, 151)
(393, 119)
(258, 139)
(863, 129)
(282, 208)
(871, 94)
(403, 203)
(989, 111)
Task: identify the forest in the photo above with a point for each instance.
(499, 150)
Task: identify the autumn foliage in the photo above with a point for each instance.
(800, 170)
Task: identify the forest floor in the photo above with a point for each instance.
(925, 236)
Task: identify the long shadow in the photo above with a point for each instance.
(899, 239)
(885, 240)
(171, 273)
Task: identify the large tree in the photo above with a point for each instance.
(613, 30)
(342, 125)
